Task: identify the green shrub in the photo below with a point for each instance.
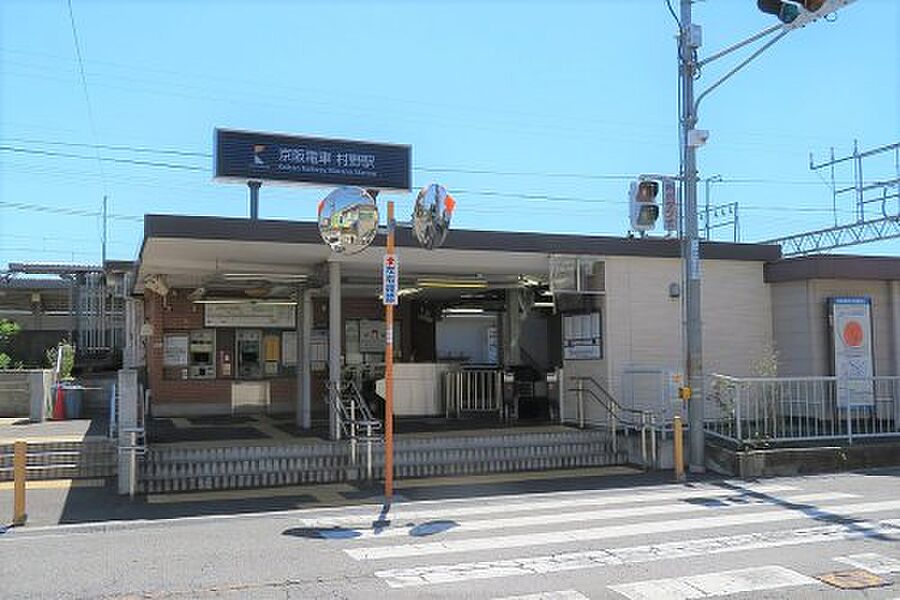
(68, 359)
(8, 330)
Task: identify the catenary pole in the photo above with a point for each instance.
(690, 243)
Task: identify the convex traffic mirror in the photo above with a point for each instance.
(431, 215)
(348, 220)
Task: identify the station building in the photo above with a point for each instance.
(228, 305)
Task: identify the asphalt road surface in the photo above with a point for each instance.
(772, 538)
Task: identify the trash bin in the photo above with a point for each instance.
(73, 395)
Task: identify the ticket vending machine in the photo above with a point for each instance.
(249, 353)
(202, 353)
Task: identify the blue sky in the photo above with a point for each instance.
(534, 114)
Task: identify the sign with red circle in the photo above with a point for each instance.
(853, 334)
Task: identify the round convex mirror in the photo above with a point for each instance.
(348, 220)
(431, 215)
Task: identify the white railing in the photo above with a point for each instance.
(473, 391)
(756, 410)
(615, 418)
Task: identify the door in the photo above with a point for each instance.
(249, 353)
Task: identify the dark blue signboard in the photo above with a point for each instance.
(251, 156)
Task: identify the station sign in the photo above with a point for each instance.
(390, 279)
(243, 156)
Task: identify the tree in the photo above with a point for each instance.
(8, 330)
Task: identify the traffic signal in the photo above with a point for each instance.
(797, 13)
(644, 207)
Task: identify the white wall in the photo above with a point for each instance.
(802, 333)
(465, 337)
(642, 324)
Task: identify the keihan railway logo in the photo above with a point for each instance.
(257, 159)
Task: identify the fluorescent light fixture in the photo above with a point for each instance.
(246, 301)
(543, 305)
(463, 311)
(452, 283)
(265, 276)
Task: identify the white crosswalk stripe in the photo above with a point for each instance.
(773, 515)
(609, 557)
(555, 501)
(558, 518)
(561, 595)
(710, 585)
(526, 539)
(872, 562)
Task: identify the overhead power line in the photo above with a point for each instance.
(422, 169)
(129, 161)
(87, 96)
(112, 147)
(58, 210)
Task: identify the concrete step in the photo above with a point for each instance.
(55, 460)
(173, 468)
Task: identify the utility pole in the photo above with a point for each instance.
(792, 16)
(688, 41)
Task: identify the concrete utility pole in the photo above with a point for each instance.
(690, 241)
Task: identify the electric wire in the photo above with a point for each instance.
(87, 97)
(672, 12)
(423, 169)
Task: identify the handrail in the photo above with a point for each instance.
(609, 397)
(611, 405)
(350, 424)
(346, 414)
(366, 414)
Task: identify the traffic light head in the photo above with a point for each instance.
(798, 13)
(786, 12)
(643, 204)
(647, 191)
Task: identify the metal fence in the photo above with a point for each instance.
(758, 410)
(473, 391)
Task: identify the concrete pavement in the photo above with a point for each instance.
(544, 539)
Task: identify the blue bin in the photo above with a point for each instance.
(72, 397)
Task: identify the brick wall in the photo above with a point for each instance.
(179, 315)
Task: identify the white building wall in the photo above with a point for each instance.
(801, 329)
(642, 323)
(737, 316)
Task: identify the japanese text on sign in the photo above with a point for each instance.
(390, 279)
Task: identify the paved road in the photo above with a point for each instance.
(766, 539)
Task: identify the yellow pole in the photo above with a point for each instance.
(678, 440)
(389, 373)
(19, 462)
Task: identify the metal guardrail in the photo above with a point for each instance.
(473, 391)
(619, 417)
(759, 410)
(357, 421)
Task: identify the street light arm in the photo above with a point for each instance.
(737, 68)
(765, 32)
